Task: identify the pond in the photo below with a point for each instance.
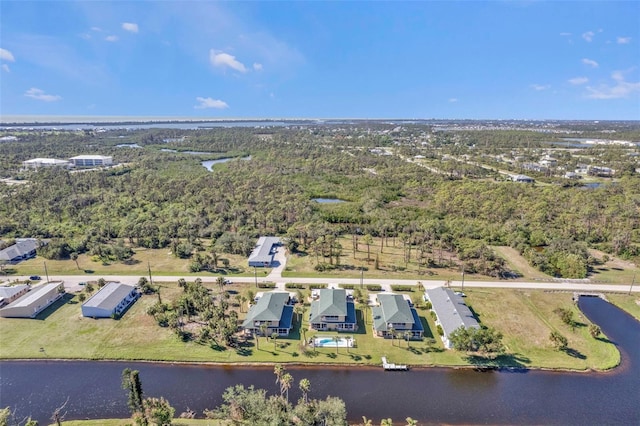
(328, 200)
(431, 395)
(210, 163)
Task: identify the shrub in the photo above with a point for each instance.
(428, 304)
(293, 285)
(266, 285)
(402, 288)
(317, 286)
(440, 330)
(374, 287)
(347, 286)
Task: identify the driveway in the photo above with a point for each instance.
(280, 259)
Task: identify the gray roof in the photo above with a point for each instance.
(393, 309)
(451, 310)
(332, 302)
(7, 292)
(109, 296)
(270, 307)
(262, 251)
(22, 247)
(35, 294)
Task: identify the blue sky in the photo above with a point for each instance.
(473, 59)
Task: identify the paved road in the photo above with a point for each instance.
(72, 282)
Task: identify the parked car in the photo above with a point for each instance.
(35, 278)
(82, 283)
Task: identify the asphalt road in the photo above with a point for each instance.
(72, 282)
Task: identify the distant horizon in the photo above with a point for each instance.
(82, 119)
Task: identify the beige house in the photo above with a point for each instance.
(34, 302)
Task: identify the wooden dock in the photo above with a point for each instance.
(393, 367)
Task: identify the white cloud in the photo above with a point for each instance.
(39, 94)
(577, 81)
(5, 55)
(210, 103)
(129, 26)
(540, 87)
(257, 66)
(111, 38)
(5, 68)
(96, 29)
(565, 34)
(453, 100)
(221, 59)
(588, 36)
(619, 89)
(590, 62)
(623, 40)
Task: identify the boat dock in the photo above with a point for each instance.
(392, 367)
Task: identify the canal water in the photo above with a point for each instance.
(431, 395)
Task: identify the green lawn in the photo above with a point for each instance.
(629, 303)
(525, 318)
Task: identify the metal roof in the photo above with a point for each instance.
(34, 295)
(270, 307)
(451, 310)
(109, 296)
(91, 157)
(394, 308)
(262, 251)
(22, 247)
(9, 291)
(332, 302)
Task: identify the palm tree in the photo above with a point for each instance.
(285, 384)
(274, 336)
(220, 282)
(337, 340)
(74, 257)
(411, 422)
(305, 387)
(366, 421)
(368, 240)
(407, 336)
(278, 370)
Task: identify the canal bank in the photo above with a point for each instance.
(434, 395)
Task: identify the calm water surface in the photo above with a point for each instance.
(434, 395)
(210, 163)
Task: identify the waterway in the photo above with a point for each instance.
(208, 164)
(431, 395)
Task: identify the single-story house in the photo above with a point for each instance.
(451, 311)
(333, 310)
(24, 248)
(272, 310)
(521, 178)
(35, 301)
(394, 314)
(111, 300)
(262, 254)
(11, 292)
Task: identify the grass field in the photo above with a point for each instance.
(630, 304)
(518, 263)
(525, 318)
(161, 262)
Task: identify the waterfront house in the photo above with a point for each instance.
(33, 302)
(394, 314)
(272, 310)
(333, 310)
(262, 254)
(110, 301)
(451, 312)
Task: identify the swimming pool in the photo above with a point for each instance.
(330, 342)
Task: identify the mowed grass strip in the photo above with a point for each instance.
(526, 318)
(629, 303)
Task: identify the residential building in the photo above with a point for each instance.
(34, 302)
(110, 301)
(91, 160)
(394, 314)
(11, 292)
(265, 249)
(24, 248)
(333, 310)
(451, 312)
(273, 311)
(36, 163)
(521, 178)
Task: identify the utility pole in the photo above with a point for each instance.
(45, 271)
(462, 277)
(149, 267)
(632, 282)
(361, 276)
(255, 274)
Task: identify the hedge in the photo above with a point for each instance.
(374, 287)
(402, 288)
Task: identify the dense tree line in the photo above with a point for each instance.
(159, 199)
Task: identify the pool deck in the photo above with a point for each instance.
(393, 367)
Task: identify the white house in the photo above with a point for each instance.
(451, 312)
(36, 163)
(262, 254)
(34, 302)
(91, 160)
(111, 300)
(10, 293)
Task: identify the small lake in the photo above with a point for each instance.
(187, 152)
(592, 185)
(328, 200)
(431, 395)
(208, 164)
(128, 145)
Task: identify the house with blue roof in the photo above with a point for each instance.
(333, 310)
